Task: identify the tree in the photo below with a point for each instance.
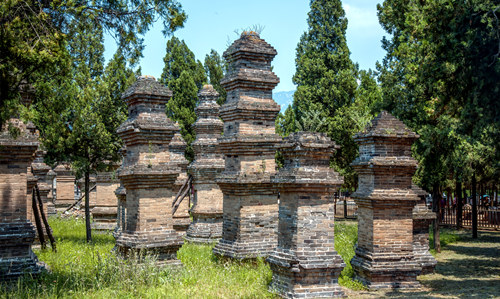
(185, 76)
(33, 36)
(440, 76)
(326, 81)
(215, 67)
(83, 129)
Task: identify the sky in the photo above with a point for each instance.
(212, 25)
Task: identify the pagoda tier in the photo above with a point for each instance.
(178, 149)
(250, 207)
(305, 263)
(17, 233)
(208, 163)
(148, 173)
(385, 198)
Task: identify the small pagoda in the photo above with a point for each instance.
(384, 256)
(148, 173)
(208, 163)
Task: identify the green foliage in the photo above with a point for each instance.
(346, 236)
(327, 86)
(440, 76)
(185, 76)
(34, 36)
(215, 67)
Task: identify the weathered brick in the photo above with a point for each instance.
(305, 263)
(385, 198)
(16, 231)
(148, 174)
(250, 208)
(208, 163)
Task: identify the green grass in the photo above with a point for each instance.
(92, 270)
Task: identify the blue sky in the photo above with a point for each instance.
(211, 25)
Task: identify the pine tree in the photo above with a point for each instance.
(326, 81)
(185, 76)
(215, 69)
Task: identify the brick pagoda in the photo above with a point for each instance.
(384, 255)
(65, 187)
(177, 150)
(104, 210)
(305, 263)
(148, 174)
(17, 233)
(250, 207)
(208, 163)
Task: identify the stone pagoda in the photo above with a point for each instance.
(208, 163)
(104, 210)
(250, 207)
(384, 256)
(177, 150)
(422, 218)
(305, 263)
(17, 233)
(65, 187)
(148, 174)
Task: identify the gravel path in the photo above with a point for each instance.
(466, 269)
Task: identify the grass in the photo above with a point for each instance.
(92, 270)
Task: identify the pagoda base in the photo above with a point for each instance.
(181, 225)
(309, 278)
(162, 245)
(386, 272)
(245, 250)
(205, 229)
(421, 246)
(16, 256)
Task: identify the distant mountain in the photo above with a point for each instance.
(284, 98)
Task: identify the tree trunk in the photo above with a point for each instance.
(38, 223)
(435, 224)
(87, 207)
(474, 207)
(458, 192)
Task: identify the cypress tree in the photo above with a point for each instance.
(185, 76)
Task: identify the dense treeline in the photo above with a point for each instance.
(441, 76)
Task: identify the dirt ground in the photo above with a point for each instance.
(466, 269)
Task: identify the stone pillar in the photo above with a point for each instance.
(16, 231)
(177, 149)
(65, 187)
(305, 263)
(250, 205)
(422, 218)
(207, 164)
(104, 212)
(385, 198)
(148, 173)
